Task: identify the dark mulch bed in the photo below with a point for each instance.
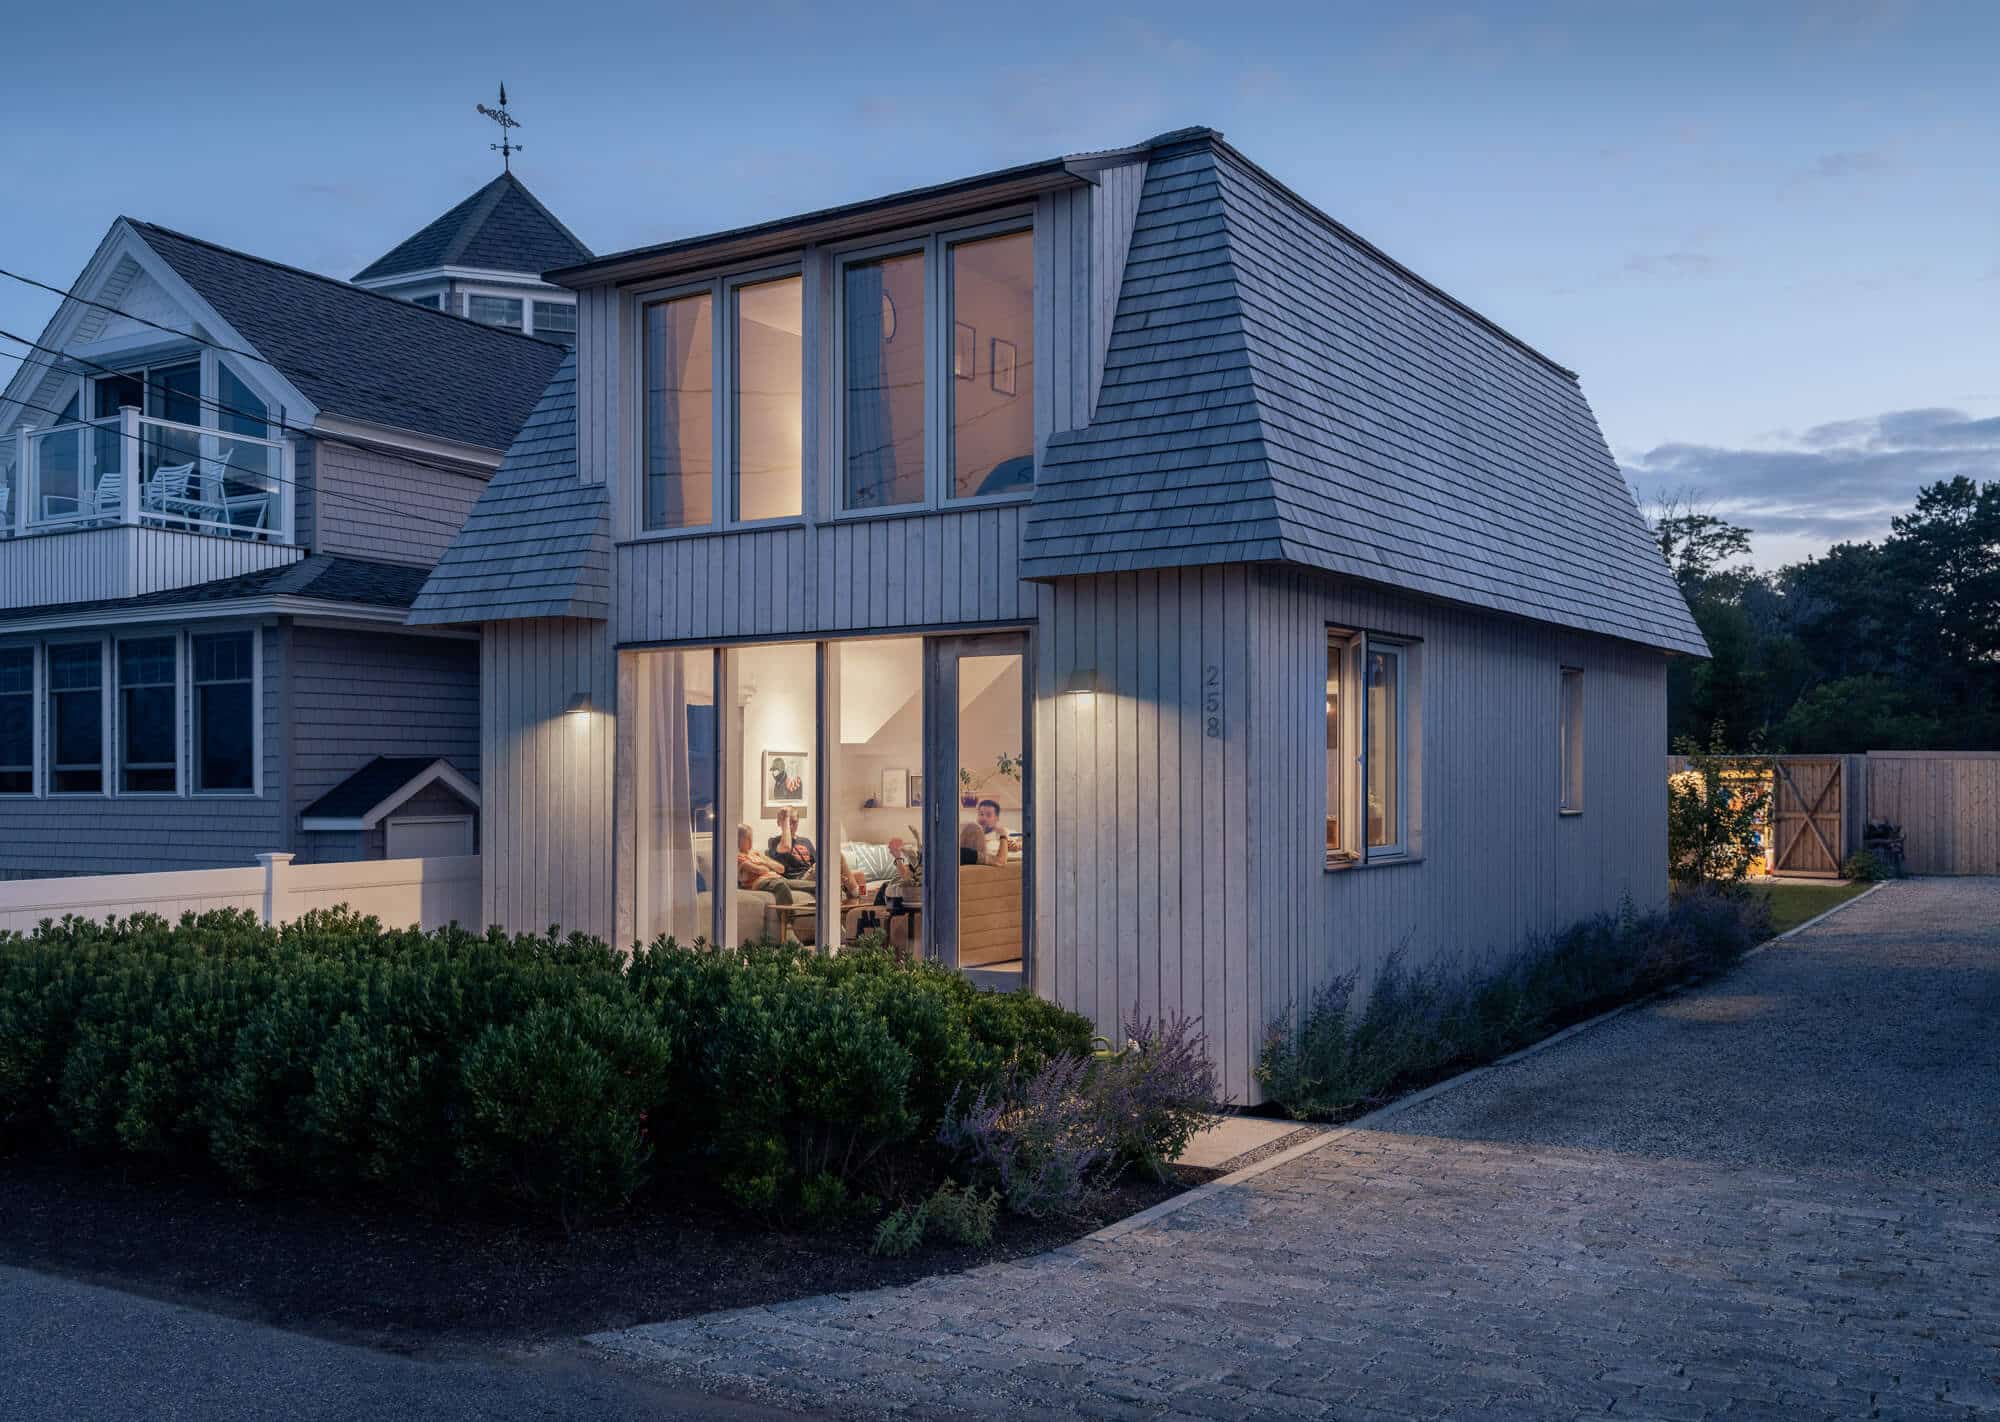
(417, 1283)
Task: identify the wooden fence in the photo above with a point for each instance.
(399, 892)
(1947, 803)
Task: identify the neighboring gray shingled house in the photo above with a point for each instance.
(1226, 606)
(222, 485)
(484, 259)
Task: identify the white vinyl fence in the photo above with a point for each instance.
(428, 892)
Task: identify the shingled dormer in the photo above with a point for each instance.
(484, 259)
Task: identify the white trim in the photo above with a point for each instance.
(392, 440)
(438, 771)
(389, 830)
(321, 611)
(522, 281)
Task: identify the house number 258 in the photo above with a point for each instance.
(1211, 702)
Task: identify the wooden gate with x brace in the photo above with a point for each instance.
(1806, 819)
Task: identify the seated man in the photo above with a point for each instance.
(986, 841)
(765, 874)
(799, 860)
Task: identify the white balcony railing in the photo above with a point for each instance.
(199, 480)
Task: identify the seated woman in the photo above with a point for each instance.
(766, 874)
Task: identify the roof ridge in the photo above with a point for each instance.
(143, 226)
(484, 201)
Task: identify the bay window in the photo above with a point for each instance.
(225, 713)
(1370, 720)
(76, 718)
(148, 723)
(17, 721)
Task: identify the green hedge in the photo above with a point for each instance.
(1340, 1055)
(539, 1073)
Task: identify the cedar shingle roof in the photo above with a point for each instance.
(499, 228)
(367, 356)
(1278, 391)
(538, 542)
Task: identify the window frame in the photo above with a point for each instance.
(193, 745)
(1571, 743)
(720, 288)
(34, 694)
(1354, 852)
(105, 774)
(935, 243)
(178, 687)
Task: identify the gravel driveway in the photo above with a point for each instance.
(1778, 1196)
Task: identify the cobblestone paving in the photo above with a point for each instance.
(1775, 1197)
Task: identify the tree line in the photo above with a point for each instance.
(1890, 645)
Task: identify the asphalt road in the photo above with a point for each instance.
(70, 1351)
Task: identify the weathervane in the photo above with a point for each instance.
(506, 147)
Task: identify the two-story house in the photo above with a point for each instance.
(222, 483)
(1219, 605)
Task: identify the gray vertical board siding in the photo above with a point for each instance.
(1114, 204)
(126, 561)
(548, 852)
(1143, 820)
(375, 505)
(357, 695)
(1498, 863)
(131, 834)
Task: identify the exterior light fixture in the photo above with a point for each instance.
(579, 705)
(1082, 682)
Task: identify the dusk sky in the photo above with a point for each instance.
(1767, 236)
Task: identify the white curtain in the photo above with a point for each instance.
(668, 855)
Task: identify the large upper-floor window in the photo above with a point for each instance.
(767, 399)
(1369, 729)
(225, 719)
(969, 359)
(148, 723)
(76, 718)
(17, 721)
(680, 412)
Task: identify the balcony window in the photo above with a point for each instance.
(495, 310)
(556, 321)
(17, 721)
(147, 724)
(883, 365)
(225, 731)
(768, 398)
(680, 412)
(992, 360)
(76, 718)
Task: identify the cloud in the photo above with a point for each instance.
(1843, 480)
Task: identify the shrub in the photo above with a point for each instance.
(1041, 1143)
(1713, 811)
(1865, 866)
(1330, 1061)
(1153, 1096)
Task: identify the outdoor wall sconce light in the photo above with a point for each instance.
(579, 705)
(1082, 682)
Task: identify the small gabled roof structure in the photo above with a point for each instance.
(500, 228)
(379, 788)
(364, 356)
(1277, 390)
(538, 542)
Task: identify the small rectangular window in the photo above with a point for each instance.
(680, 412)
(495, 310)
(76, 719)
(17, 721)
(883, 365)
(433, 300)
(556, 321)
(225, 713)
(1572, 740)
(146, 720)
(767, 393)
(1385, 741)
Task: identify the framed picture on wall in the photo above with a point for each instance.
(787, 774)
(964, 345)
(916, 790)
(1004, 358)
(895, 792)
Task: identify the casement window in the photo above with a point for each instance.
(555, 321)
(225, 712)
(1370, 726)
(741, 339)
(17, 721)
(1571, 744)
(431, 299)
(494, 310)
(76, 718)
(148, 716)
(964, 355)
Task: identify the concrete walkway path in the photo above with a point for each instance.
(1778, 1196)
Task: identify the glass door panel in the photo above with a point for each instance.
(982, 828)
